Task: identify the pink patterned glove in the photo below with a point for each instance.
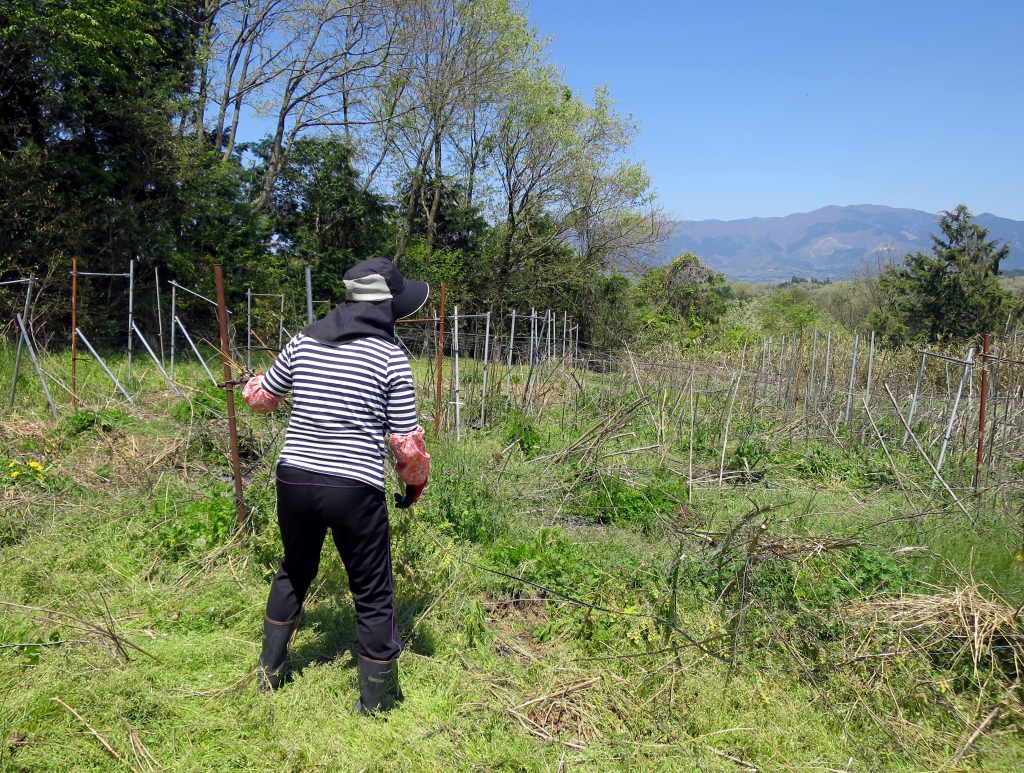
(412, 462)
(258, 398)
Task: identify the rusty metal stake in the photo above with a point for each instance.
(236, 462)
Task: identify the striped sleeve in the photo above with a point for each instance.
(401, 396)
(278, 380)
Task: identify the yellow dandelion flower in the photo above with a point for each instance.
(11, 464)
(36, 466)
(15, 474)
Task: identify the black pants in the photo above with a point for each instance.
(307, 505)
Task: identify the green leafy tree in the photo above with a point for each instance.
(89, 164)
(688, 291)
(320, 214)
(789, 310)
(952, 293)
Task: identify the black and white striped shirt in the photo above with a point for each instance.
(347, 397)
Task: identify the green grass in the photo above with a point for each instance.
(127, 529)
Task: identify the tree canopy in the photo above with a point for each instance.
(954, 292)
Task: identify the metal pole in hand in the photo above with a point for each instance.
(236, 462)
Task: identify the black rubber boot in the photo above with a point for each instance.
(274, 666)
(378, 686)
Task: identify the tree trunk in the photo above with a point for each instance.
(435, 205)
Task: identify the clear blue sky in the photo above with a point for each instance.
(767, 108)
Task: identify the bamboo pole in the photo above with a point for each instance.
(689, 463)
(871, 368)
(728, 421)
(236, 462)
(828, 368)
(799, 364)
(928, 461)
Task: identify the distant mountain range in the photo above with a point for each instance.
(828, 243)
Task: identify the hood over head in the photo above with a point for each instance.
(376, 295)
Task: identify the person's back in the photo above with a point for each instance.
(352, 386)
(348, 396)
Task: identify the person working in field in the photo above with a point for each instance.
(353, 389)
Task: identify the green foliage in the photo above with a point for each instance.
(103, 420)
(209, 402)
(87, 157)
(790, 311)
(321, 215)
(641, 507)
(953, 292)
(196, 525)
(465, 505)
(688, 291)
(522, 430)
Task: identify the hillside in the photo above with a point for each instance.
(831, 242)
